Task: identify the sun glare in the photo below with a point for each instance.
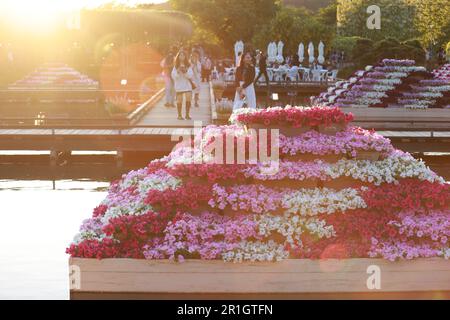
(43, 14)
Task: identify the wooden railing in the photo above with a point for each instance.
(142, 110)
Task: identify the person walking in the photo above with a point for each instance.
(245, 90)
(197, 73)
(221, 71)
(183, 81)
(167, 66)
(206, 69)
(262, 64)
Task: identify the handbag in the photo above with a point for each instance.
(240, 103)
(193, 84)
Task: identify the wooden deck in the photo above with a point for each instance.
(135, 139)
(157, 129)
(286, 279)
(401, 119)
(160, 115)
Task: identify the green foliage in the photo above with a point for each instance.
(429, 20)
(308, 4)
(347, 72)
(328, 15)
(363, 51)
(397, 17)
(229, 20)
(208, 40)
(122, 26)
(432, 20)
(367, 52)
(292, 26)
(447, 50)
(345, 44)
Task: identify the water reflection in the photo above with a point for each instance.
(38, 221)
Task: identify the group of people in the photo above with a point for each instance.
(184, 70)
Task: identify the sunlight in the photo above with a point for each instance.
(35, 14)
(43, 14)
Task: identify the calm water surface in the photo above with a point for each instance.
(38, 221)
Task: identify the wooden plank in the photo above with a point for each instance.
(442, 134)
(165, 131)
(411, 295)
(132, 131)
(136, 115)
(290, 276)
(162, 116)
(28, 132)
(381, 114)
(406, 134)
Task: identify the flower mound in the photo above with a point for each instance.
(370, 201)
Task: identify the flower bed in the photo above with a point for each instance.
(389, 205)
(55, 76)
(391, 84)
(294, 117)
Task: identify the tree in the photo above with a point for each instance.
(229, 20)
(328, 15)
(308, 4)
(292, 26)
(397, 17)
(433, 21)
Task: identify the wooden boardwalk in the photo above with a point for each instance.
(157, 129)
(162, 116)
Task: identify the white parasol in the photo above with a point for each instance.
(272, 52)
(280, 57)
(238, 48)
(321, 57)
(311, 52)
(301, 52)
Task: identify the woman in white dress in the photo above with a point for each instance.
(197, 71)
(182, 76)
(245, 90)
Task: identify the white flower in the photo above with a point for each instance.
(310, 202)
(256, 251)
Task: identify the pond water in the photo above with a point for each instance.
(38, 221)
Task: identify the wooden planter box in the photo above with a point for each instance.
(128, 278)
(288, 183)
(371, 155)
(218, 93)
(309, 157)
(224, 117)
(332, 129)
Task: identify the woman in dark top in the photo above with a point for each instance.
(262, 63)
(245, 90)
